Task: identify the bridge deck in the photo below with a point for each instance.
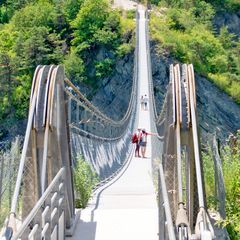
(126, 208)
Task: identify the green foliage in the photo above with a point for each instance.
(28, 40)
(34, 15)
(8, 8)
(219, 5)
(98, 36)
(110, 33)
(188, 35)
(234, 91)
(124, 49)
(86, 35)
(10, 157)
(156, 2)
(71, 8)
(223, 5)
(230, 154)
(208, 169)
(127, 27)
(74, 67)
(96, 25)
(203, 12)
(20, 96)
(89, 20)
(231, 170)
(104, 67)
(85, 180)
(131, 14)
(143, 1)
(221, 80)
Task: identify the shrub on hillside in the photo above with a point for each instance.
(85, 180)
(188, 35)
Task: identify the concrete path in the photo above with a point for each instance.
(125, 4)
(126, 208)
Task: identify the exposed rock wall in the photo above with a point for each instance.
(114, 94)
(231, 20)
(217, 112)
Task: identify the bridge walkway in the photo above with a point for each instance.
(126, 208)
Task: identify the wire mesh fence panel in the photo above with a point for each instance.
(9, 162)
(28, 189)
(219, 179)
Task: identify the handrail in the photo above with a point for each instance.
(195, 140)
(117, 128)
(90, 107)
(158, 119)
(90, 135)
(87, 103)
(106, 132)
(178, 130)
(36, 80)
(32, 214)
(150, 69)
(93, 109)
(41, 122)
(170, 226)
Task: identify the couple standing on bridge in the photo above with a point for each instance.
(144, 102)
(140, 139)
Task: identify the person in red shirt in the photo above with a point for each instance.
(138, 134)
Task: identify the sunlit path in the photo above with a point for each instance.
(127, 207)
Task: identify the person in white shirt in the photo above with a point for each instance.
(145, 100)
(143, 141)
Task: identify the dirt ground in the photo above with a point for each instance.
(125, 4)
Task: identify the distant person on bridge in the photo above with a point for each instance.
(142, 102)
(143, 141)
(145, 101)
(136, 139)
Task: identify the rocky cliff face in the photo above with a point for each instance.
(217, 112)
(231, 20)
(114, 93)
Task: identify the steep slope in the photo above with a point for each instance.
(217, 111)
(114, 94)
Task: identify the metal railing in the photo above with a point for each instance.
(46, 145)
(45, 150)
(181, 165)
(166, 227)
(90, 128)
(47, 219)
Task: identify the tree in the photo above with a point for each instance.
(7, 41)
(74, 66)
(110, 34)
(71, 8)
(39, 14)
(28, 40)
(90, 19)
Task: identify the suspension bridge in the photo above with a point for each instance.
(127, 204)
